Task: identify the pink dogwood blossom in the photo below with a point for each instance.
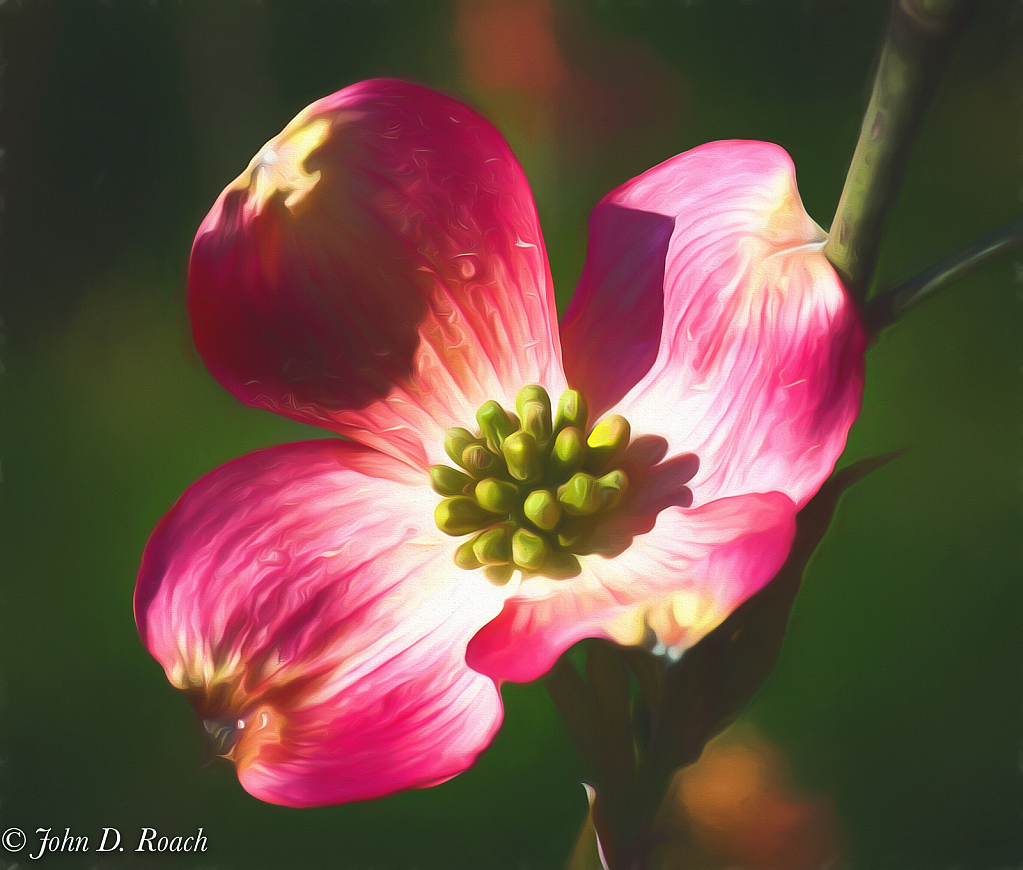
(378, 270)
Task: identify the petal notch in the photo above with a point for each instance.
(302, 595)
(379, 270)
(759, 364)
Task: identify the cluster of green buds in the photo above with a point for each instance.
(529, 488)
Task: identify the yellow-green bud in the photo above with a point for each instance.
(536, 420)
(493, 547)
(497, 496)
(466, 558)
(523, 456)
(580, 496)
(477, 460)
(499, 574)
(529, 550)
(542, 509)
(532, 393)
(608, 437)
(460, 516)
(572, 410)
(495, 424)
(569, 451)
(448, 481)
(612, 487)
(456, 440)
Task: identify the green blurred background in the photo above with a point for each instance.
(899, 696)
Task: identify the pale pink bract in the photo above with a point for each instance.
(379, 270)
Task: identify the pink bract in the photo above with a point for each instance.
(378, 270)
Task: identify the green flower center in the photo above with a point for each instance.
(530, 487)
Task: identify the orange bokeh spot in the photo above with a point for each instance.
(510, 45)
(738, 809)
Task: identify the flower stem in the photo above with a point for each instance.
(886, 308)
(917, 44)
(604, 720)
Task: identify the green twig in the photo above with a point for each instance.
(885, 308)
(917, 44)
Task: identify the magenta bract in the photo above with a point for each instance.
(379, 270)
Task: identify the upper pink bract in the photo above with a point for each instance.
(379, 270)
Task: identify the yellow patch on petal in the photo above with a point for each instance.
(195, 667)
(682, 619)
(787, 224)
(279, 167)
(785, 260)
(779, 254)
(694, 612)
(629, 629)
(224, 692)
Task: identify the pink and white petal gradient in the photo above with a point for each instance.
(672, 586)
(305, 594)
(379, 270)
(749, 352)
